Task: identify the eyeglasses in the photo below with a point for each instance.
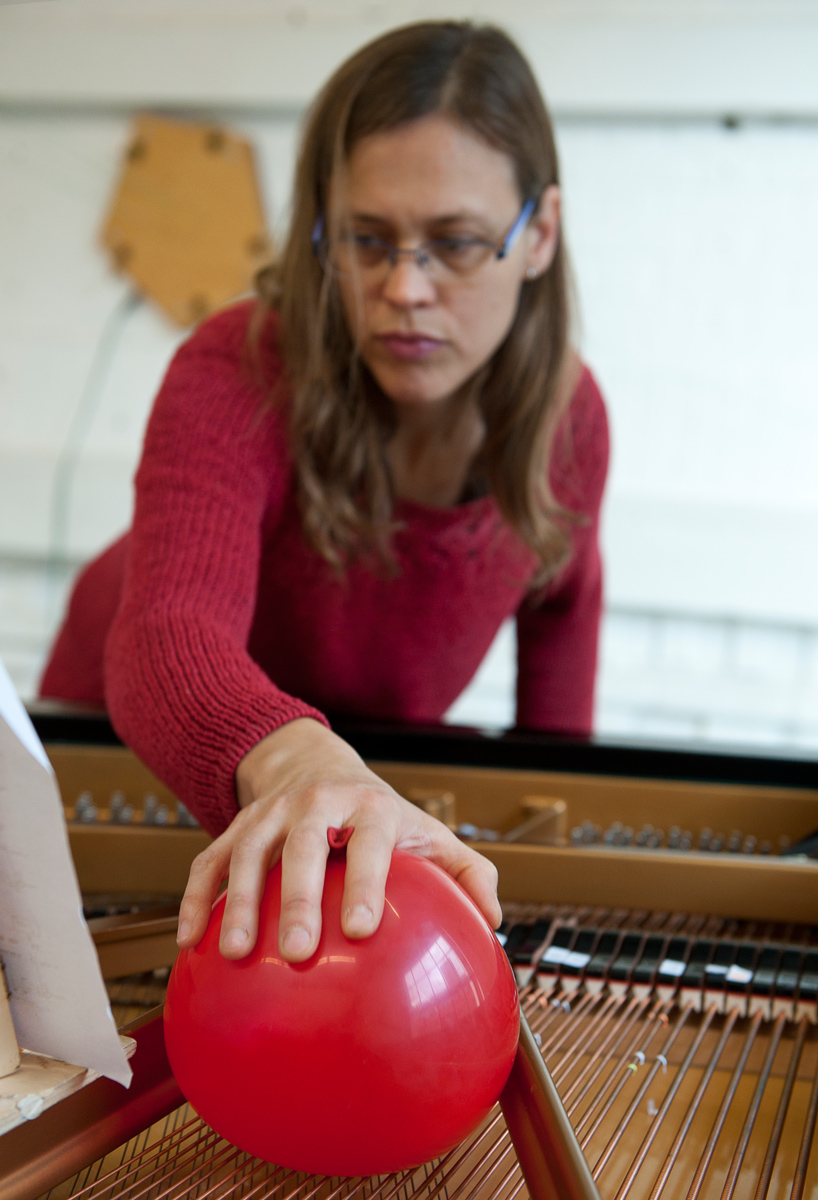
(442, 259)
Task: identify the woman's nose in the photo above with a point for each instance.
(407, 283)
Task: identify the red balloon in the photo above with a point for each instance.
(373, 1056)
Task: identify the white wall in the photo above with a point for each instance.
(696, 252)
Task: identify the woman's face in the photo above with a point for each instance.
(423, 336)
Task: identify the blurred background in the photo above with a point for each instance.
(688, 133)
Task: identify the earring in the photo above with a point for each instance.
(531, 272)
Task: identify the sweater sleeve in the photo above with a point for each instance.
(557, 636)
(180, 687)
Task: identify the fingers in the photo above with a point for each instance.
(303, 866)
(253, 851)
(381, 820)
(472, 871)
(480, 881)
(369, 854)
(206, 873)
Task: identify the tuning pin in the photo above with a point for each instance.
(674, 837)
(717, 844)
(655, 840)
(588, 832)
(154, 813)
(121, 812)
(765, 847)
(734, 842)
(85, 810)
(183, 817)
(687, 840)
(643, 835)
(704, 839)
(627, 836)
(749, 844)
(467, 832)
(577, 835)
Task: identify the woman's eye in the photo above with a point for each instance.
(460, 251)
(369, 250)
(457, 245)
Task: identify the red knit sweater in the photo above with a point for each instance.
(212, 622)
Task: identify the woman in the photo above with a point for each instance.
(346, 488)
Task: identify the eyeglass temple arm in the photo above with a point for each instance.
(517, 228)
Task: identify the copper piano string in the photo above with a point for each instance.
(607, 1010)
(693, 1108)
(661, 1059)
(703, 1100)
(607, 1047)
(790, 937)
(650, 1136)
(805, 1148)
(752, 1112)
(624, 1059)
(193, 1161)
(601, 1106)
(616, 1028)
(729, 1096)
(781, 1114)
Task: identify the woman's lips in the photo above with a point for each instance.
(410, 345)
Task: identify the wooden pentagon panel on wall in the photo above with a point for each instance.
(187, 223)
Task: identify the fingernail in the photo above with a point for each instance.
(235, 938)
(183, 932)
(296, 940)
(359, 920)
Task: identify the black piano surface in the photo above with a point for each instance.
(513, 749)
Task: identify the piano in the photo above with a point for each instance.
(661, 916)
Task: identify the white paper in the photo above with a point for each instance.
(58, 999)
(18, 720)
(566, 958)
(577, 959)
(738, 974)
(555, 954)
(671, 966)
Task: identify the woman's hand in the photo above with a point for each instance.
(292, 787)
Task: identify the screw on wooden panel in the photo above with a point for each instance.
(258, 245)
(198, 307)
(122, 255)
(214, 141)
(137, 150)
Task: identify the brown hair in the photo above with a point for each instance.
(340, 423)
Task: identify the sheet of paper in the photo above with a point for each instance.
(58, 999)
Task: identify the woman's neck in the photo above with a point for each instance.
(432, 450)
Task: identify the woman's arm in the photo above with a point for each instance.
(185, 694)
(180, 686)
(557, 637)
